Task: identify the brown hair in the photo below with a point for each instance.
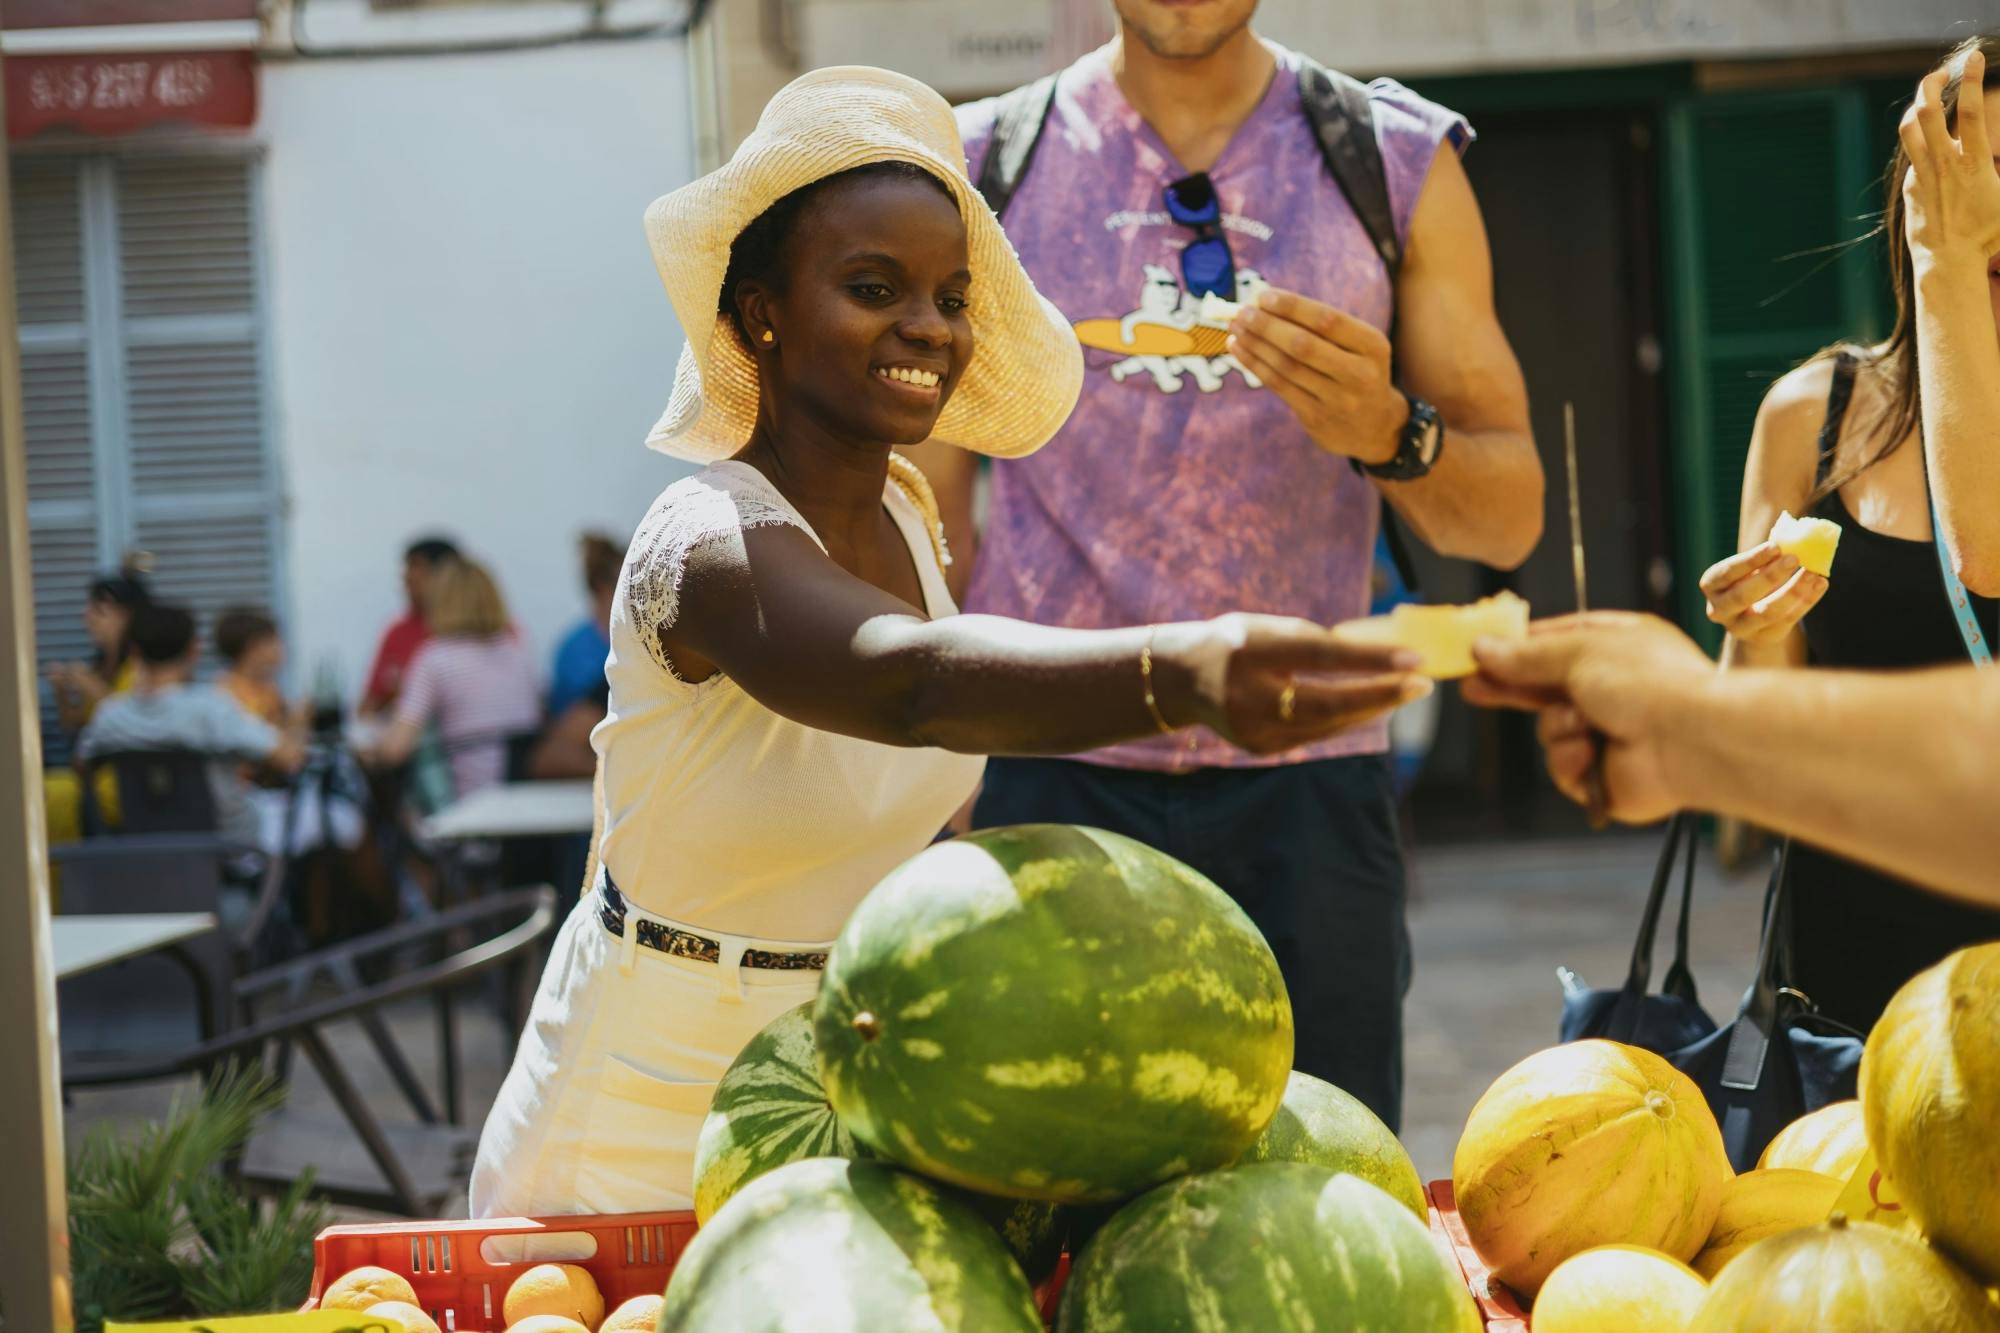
(1895, 360)
(239, 629)
(464, 602)
(602, 561)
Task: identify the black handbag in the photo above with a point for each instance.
(1774, 1062)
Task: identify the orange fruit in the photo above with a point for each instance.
(557, 1289)
(638, 1315)
(362, 1287)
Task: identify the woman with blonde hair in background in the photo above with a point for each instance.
(1893, 442)
(474, 680)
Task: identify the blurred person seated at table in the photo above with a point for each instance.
(253, 655)
(579, 661)
(1894, 769)
(166, 710)
(401, 641)
(107, 618)
(473, 680)
(1893, 442)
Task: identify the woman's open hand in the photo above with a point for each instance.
(1268, 684)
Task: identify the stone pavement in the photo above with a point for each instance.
(1489, 922)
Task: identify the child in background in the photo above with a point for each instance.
(248, 643)
(166, 710)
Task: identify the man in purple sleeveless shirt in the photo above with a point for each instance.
(1213, 467)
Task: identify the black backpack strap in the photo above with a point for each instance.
(1018, 122)
(1343, 122)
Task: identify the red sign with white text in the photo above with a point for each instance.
(116, 94)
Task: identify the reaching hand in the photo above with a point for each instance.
(1951, 196)
(1609, 674)
(1270, 684)
(1760, 595)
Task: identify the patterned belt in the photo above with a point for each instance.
(666, 939)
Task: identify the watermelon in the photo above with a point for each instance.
(846, 1247)
(1320, 1124)
(1054, 1013)
(1279, 1247)
(770, 1110)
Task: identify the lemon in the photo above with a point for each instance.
(556, 1289)
(363, 1287)
(638, 1315)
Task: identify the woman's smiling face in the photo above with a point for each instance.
(870, 327)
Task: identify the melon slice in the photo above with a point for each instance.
(1811, 540)
(1218, 309)
(1442, 636)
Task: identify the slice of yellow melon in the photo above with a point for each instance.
(1811, 540)
(1442, 636)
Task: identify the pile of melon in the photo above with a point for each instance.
(545, 1298)
(1041, 1039)
(1591, 1179)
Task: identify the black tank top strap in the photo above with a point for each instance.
(1838, 396)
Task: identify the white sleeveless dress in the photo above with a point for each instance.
(724, 819)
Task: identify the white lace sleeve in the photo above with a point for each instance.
(693, 511)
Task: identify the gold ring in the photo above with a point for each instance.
(1286, 698)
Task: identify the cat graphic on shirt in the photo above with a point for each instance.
(1169, 316)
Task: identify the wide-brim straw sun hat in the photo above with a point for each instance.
(1027, 366)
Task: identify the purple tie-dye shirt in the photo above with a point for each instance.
(1181, 489)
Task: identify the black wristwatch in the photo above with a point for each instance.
(1418, 449)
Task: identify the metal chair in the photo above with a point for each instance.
(409, 1168)
(169, 872)
(159, 791)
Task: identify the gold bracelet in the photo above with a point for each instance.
(1146, 679)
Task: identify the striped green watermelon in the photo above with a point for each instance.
(1278, 1247)
(769, 1110)
(846, 1247)
(1325, 1126)
(1052, 1012)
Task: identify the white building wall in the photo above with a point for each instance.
(467, 332)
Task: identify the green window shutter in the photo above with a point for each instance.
(1765, 193)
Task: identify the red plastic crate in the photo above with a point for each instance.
(1499, 1309)
(461, 1279)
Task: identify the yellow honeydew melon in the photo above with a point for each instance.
(409, 1316)
(1765, 1202)
(1842, 1277)
(359, 1288)
(1593, 1143)
(1619, 1289)
(1812, 540)
(1830, 1141)
(1930, 1094)
(1443, 635)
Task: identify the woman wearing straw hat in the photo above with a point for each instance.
(795, 708)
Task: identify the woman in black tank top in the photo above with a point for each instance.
(1859, 934)
(1842, 438)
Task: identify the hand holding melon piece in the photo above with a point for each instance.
(360, 1288)
(1619, 1289)
(1811, 541)
(1218, 309)
(1767, 1202)
(564, 1290)
(1442, 636)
